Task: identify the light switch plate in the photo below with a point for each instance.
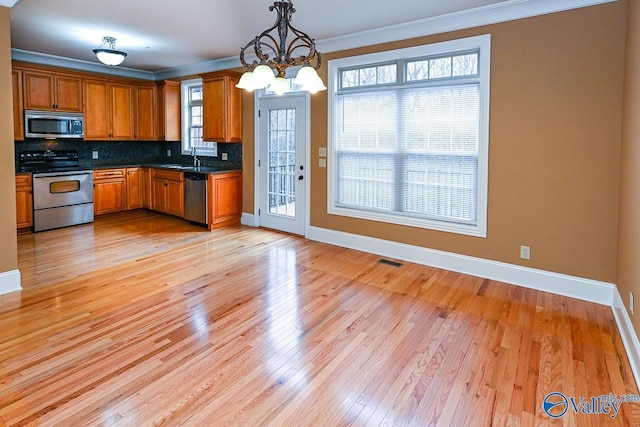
(322, 163)
(322, 151)
(225, 156)
(94, 154)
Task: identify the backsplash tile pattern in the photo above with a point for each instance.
(124, 153)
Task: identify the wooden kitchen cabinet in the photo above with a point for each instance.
(222, 107)
(109, 111)
(146, 113)
(51, 91)
(134, 188)
(169, 111)
(167, 192)
(225, 199)
(18, 106)
(109, 191)
(24, 200)
(147, 178)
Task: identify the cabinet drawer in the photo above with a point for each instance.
(23, 181)
(108, 173)
(165, 174)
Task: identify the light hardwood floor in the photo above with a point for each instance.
(141, 319)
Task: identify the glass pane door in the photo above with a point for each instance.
(282, 162)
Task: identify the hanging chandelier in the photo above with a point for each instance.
(275, 53)
(109, 55)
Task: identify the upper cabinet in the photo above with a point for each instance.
(169, 111)
(51, 91)
(109, 111)
(18, 118)
(222, 107)
(146, 117)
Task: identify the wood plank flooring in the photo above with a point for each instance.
(140, 319)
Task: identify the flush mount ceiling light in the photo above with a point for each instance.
(260, 73)
(110, 55)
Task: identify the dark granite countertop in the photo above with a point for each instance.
(208, 169)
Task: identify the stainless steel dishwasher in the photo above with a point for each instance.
(196, 206)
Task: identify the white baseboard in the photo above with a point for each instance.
(629, 337)
(562, 284)
(10, 282)
(249, 219)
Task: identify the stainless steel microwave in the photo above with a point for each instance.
(51, 124)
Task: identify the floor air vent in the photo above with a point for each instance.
(389, 262)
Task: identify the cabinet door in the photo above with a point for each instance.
(175, 198)
(146, 116)
(68, 93)
(147, 188)
(222, 107)
(24, 208)
(169, 110)
(122, 113)
(213, 110)
(109, 191)
(97, 118)
(134, 188)
(38, 91)
(159, 194)
(18, 117)
(225, 199)
(109, 195)
(24, 201)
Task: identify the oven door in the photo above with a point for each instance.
(55, 189)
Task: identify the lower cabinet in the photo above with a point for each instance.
(161, 190)
(134, 188)
(167, 192)
(116, 190)
(225, 199)
(24, 201)
(109, 191)
(147, 179)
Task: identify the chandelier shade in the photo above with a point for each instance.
(107, 52)
(275, 53)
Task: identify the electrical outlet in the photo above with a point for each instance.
(322, 163)
(322, 151)
(525, 252)
(168, 152)
(631, 298)
(94, 154)
(225, 156)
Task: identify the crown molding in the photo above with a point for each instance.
(8, 3)
(78, 64)
(485, 15)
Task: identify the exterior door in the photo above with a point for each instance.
(282, 164)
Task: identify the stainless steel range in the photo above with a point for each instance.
(62, 191)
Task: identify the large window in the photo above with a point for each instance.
(192, 120)
(409, 136)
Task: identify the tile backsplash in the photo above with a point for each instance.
(124, 153)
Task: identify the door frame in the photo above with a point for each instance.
(258, 95)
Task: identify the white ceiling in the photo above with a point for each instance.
(164, 34)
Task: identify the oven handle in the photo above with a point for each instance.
(35, 176)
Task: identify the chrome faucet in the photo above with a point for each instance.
(196, 160)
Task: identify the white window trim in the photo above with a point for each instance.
(184, 99)
(483, 43)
